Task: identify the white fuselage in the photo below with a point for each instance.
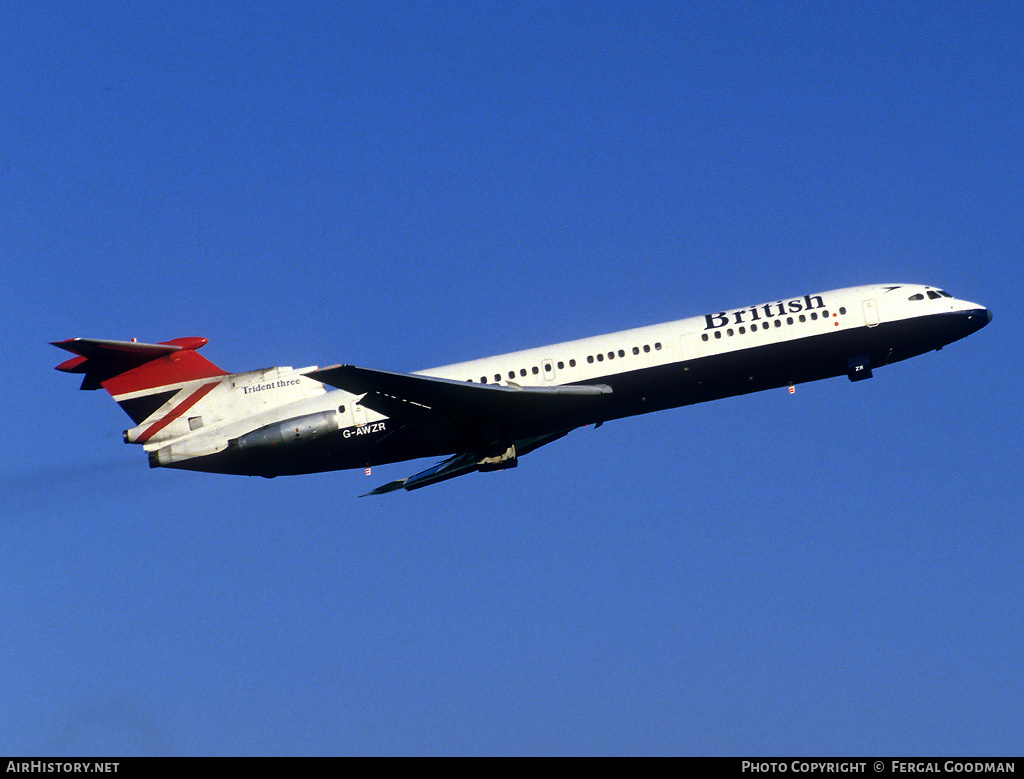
(718, 354)
(734, 330)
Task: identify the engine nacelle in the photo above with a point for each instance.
(290, 431)
(188, 449)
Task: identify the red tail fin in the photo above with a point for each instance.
(127, 368)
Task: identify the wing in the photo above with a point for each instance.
(433, 392)
(432, 404)
(488, 425)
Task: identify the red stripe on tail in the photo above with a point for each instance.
(176, 412)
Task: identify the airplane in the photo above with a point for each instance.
(485, 414)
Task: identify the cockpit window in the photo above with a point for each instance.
(933, 294)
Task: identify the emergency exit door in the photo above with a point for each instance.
(870, 313)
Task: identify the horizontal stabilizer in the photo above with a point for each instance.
(128, 350)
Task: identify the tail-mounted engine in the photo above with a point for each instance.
(305, 428)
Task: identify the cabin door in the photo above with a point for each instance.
(870, 313)
(688, 345)
(358, 415)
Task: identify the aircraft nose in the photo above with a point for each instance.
(978, 317)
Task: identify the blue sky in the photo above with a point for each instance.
(403, 185)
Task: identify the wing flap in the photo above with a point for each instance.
(447, 469)
(461, 464)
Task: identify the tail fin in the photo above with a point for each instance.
(140, 377)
